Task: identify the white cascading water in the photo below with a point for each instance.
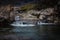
(20, 23)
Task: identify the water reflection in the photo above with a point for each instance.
(29, 33)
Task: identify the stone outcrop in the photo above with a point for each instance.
(9, 12)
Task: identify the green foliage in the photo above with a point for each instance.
(27, 7)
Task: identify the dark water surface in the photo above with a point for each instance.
(46, 32)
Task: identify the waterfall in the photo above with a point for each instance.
(17, 18)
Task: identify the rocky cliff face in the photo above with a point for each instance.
(8, 12)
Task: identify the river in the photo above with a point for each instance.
(42, 32)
